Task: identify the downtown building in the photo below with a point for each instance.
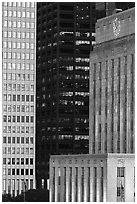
(65, 36)
(107, 173)
(18, 96)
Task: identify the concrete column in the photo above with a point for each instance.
(109, 106)
(85, 183)
(121, 105)
(73, 184)
(105, 183)
(56, 184)
(67, 184)
(98, 183)
(79, 184)
(61, 184)
(91, 184)
(51, 184)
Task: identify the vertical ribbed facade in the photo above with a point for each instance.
(18, 94)
(112, 100)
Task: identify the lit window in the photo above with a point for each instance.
(32, 66)
(13, 66)
(5, 34)
(4, 44)
(5, 55)
(18, 55)
(18, 45)
(32, 25)
(27, 66)
(10, 3)
(27, 25)
(32, 4)
(9, 45)
(14, 13)
(13, 55)
(9, 34)
(14, 34)
(23, 14)
(27, 45)
(27, 56)
(23, 24)
(32, 46)
(5, 76)
(13, 76)
(19, 24)
(28, 4)
(18, 3)
(32, 56)
(27, 35)
(13, 45)
(19, 35)
(32, 35)
(23, 56)
(5, 13)
(5, 23)
(23, 4)
(32, 14)
(19, 14)
(9, 24)
(14, 24)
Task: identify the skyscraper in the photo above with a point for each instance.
(18, 89)
(65, 37)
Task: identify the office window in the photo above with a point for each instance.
(31, 171)
(19, 35)
(22, 129)
(4, 160)
(31, 184)
(23, 14)
(27, 97)
(14, 13)
(5, 13)
(120, 184)
(32, 97)
(5, 23)
(14, 24)
(32, 25)
(22, 171)
(18, 24)
(9, 24)
(17, 172)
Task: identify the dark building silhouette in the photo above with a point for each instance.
(65, 36)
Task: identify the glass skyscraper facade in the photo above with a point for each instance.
(65, 36)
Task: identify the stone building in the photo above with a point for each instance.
(107, 173)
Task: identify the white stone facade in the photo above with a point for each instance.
(92, 178)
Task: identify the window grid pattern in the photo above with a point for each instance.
(18, 71)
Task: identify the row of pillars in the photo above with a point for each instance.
(88, 184)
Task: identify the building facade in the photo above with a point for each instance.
(18, 91)
(92, 178)
(112, 103)
(107, 173)
(65, 36)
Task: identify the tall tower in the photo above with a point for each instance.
(65, 36)
(112, 100)
(18, 89)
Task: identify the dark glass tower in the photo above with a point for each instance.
(65, 37)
